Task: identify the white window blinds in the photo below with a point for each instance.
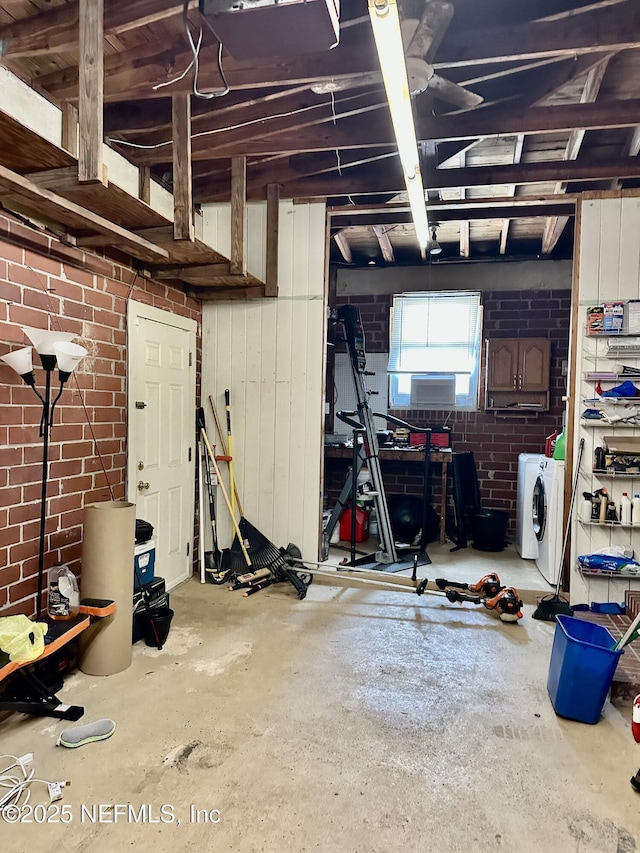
(435, 333)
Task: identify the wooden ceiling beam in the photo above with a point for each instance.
(517, 157)
(631, 149)
(194, 274)
(56, 30)
(465, 227)
(384, 242)
(352, 133)
(521, 201)
(48, 206)
(132, 74)
(342, 242)
(226, 292)
(61, 179)
(215, 185)
(390, 181)
(606, 28)
(205, 145)
(152, 116)
(385, 220)
(554, 226)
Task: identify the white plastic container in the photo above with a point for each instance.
(635, 511)
(625, 509)
(63, 601)
(587, 510)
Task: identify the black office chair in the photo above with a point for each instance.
(487, 528)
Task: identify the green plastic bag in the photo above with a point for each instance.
(22, 639)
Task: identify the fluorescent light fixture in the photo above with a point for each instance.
(385, 22)
(69, 356)
(22, 362)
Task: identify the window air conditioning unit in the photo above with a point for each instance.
(253, 29)
(433, 391)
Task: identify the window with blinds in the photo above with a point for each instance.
(435, 344)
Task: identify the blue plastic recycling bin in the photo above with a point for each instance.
(583, 663)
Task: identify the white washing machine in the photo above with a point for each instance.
(526, 539)
(548, 507)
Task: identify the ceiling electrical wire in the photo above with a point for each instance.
(215, 130)
(238, 126)
(195, 62)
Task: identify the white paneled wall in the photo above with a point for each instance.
(609, 269)
(270, 353)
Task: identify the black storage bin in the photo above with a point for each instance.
(490, 529)
(157, 596)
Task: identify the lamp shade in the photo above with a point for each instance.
(44, 340)
(20, 360)
(69, 356)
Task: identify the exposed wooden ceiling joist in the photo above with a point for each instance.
(532, 64)
(554, 225)
(132, 75)
(352, 133)
(390, 181)
(444, 214)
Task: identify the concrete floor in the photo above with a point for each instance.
(355, 720)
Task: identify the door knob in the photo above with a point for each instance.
(142, 486)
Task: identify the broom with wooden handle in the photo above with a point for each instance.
(225, 453)
(216, 468)
(550, 606)
(232, 482)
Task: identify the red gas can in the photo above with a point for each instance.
(362, 525)
(550, 443)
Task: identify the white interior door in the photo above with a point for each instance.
(161, 433)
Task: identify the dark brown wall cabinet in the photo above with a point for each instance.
(518, 372)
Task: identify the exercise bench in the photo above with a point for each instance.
(22, 690)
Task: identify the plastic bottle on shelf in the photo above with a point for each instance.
(587, 507)
(64, 596)
(625, 509)
(604, 503)
(635, 511)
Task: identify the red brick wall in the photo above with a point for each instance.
(494, 440)
(46, 284)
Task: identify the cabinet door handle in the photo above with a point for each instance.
(520, 382)
(515, 382)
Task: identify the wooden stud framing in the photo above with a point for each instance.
(91, 91)
(70, 128)
(144, 184)
(238, 205)
(182, 184)
(273, 213)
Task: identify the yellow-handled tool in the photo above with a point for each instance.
(232, 482)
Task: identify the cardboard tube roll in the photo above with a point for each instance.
(107, 572)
